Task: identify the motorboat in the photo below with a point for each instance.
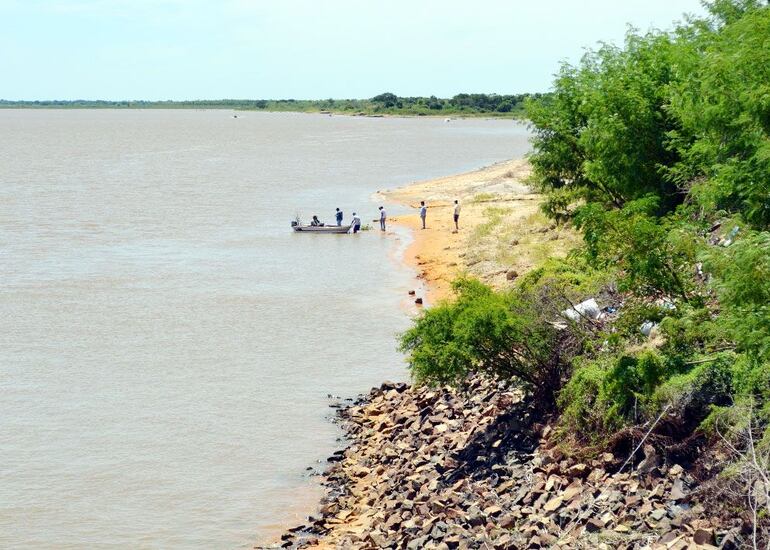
(299, 228)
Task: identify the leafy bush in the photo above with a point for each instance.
(689, 330)
(751, 379)
(558, 283)
(560, 204)
(653, 255)
(650, 149)
(603, 131)
(612, 391)
(583, 413)
(498, 334)
(742, 281)
(690, 396)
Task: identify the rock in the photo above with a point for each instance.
(650, 462)
(378, 539)
(492, 510)
(418, 543)
(553, 504)
(677, 490)
(418, 301)
(507, 522)
(412, 293)
(511, 275)
(439, 468)
(668, 537)
(578, 470)
(703, 536)
(593, 525)
(675, 471)
(730, 542)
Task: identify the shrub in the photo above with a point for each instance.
(497, 334)
(742, 281)
(653, 255)
(582, 412)
(690, 396)
(751, 379)
(559, 283)
(610, 392)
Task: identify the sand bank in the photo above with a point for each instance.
(502, 232)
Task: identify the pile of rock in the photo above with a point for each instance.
(444, 469)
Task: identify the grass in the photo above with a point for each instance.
(512, 239)
(494, 215)
(485, 197)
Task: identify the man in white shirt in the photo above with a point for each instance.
(457, 215)
(356, 223)
(383, 217)
(423, 212)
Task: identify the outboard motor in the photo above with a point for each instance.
(294, 223)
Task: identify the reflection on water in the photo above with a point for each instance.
(166, 342)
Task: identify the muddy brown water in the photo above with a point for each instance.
(167, 344)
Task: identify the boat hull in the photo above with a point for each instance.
(321, 229)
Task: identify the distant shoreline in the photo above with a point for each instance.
(487, 116)
(461, 105)
(477, 116)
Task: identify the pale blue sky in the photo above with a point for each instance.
(189, 49)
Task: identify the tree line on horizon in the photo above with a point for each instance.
(463, 104)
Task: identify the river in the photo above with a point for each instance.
(167, 344)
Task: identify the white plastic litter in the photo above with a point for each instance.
(589, 308)
(647, 327)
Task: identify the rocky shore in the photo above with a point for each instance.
(441, 468)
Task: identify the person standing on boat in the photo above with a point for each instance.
(338, 215)
(356, 223)
(457, 215)
(423, 212)
(383, 217)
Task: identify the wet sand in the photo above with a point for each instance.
(501, 233)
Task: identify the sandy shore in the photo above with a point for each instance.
(502, 232)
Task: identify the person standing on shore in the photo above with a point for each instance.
(356, 223)
(383, 217)
(338, 215)
(423, 212)
(457, 215)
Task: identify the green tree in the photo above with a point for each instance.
(723, 105)
(603, 132)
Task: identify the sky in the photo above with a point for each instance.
(304, 49)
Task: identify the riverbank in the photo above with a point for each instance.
(502, 232)
(479, 467)
(438, 468)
